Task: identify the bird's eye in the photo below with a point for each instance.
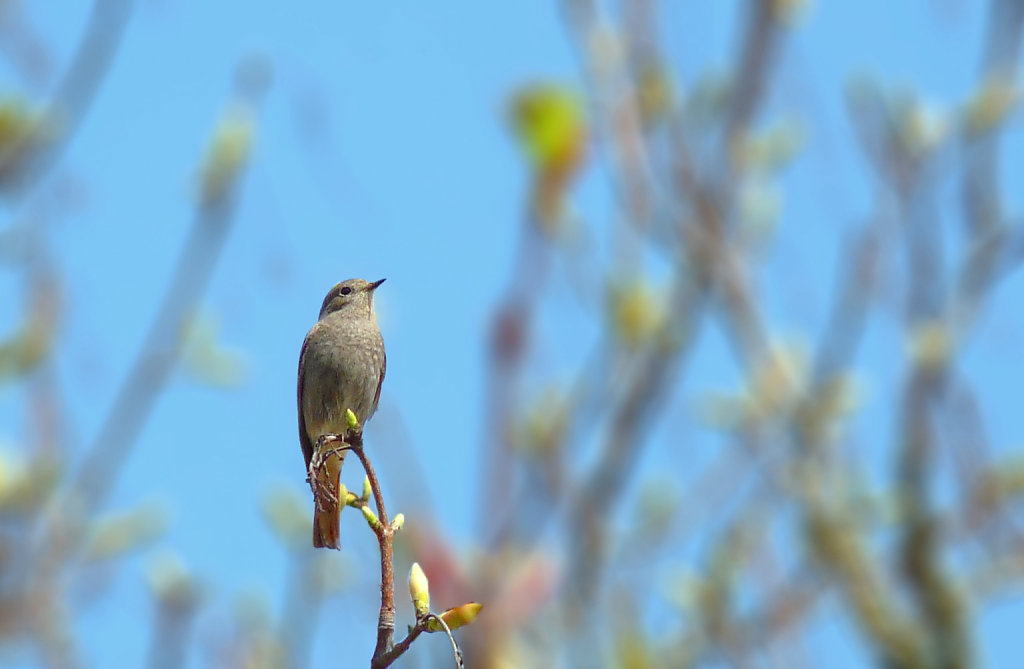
(346, 290)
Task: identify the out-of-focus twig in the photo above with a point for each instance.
(629, 423)
(982, 206)
(177, 602)
(29, 160)
(757, 47)
(603, 60)
(510, 331)
(63, 528)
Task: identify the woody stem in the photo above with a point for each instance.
(385, 535)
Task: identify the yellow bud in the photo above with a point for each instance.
(25, 349)
(15, 120)
(772, 150)
(397, 523)
(789, 11)
(25, 485)
(350, 418)
(544, 427)
(1001, 483)
(419, 590)
(20, 128)
(549, 122)
(654, 94)
(923, 128)
(990, 105)
(637, 312)
(930, 345)
(13, 474)
(226, 155)
(366, 487)
(777, 379)
(342, 494)
(370, 516)
(457, 617)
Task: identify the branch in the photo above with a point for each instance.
(981, 187)
(386, 651)
(65, 524)
(29, 162)
(381, 525)
(385, 539)
(388, 658)
(425, 623)
(758, 49)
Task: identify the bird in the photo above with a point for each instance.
(341, 366)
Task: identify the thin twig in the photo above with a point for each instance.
(29, 162)
(982, 181)
(758, 48)
(63, 528)
(448, 631)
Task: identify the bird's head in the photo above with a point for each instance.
(353, 296)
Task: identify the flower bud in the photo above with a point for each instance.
(419, 590)
(456, 617)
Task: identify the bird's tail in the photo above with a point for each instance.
(326, 532)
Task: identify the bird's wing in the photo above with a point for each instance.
(307, 445)
(380, 382)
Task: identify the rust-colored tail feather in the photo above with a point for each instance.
(326, 483)
(326, 533)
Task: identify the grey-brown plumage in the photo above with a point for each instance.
(341, 366)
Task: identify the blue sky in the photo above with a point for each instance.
(382, 151)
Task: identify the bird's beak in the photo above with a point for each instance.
(375, 284)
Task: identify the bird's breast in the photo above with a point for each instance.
(343, 361)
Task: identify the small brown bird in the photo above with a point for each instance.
(341, 366)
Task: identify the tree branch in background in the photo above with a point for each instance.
(72, 509)
(27, 160)
(981, 192)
